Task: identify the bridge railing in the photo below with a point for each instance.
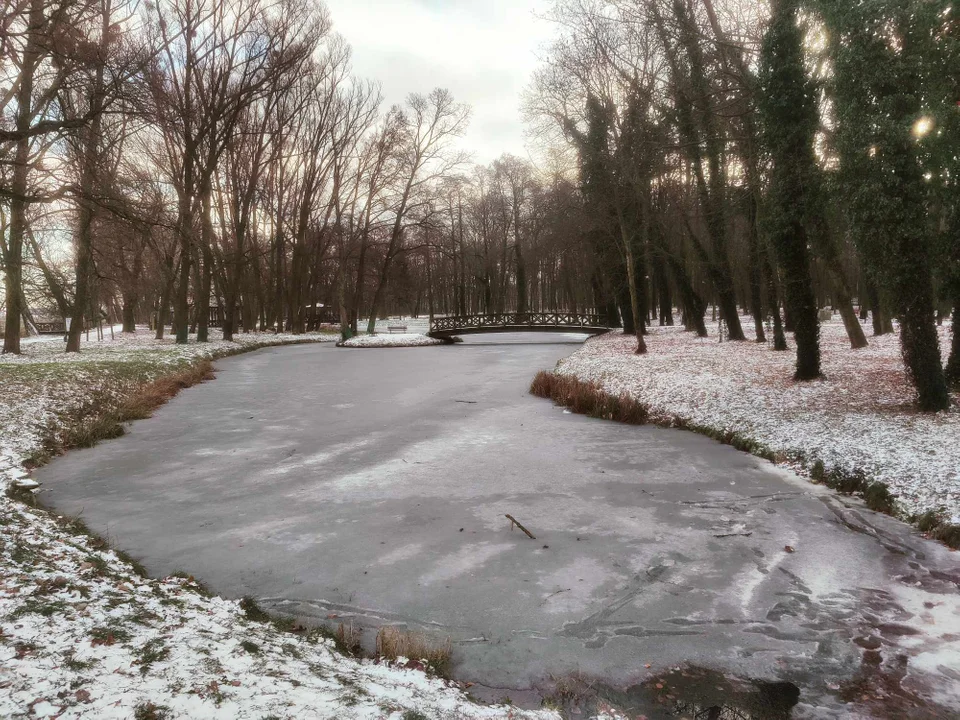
(529, 319)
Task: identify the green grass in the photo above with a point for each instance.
(250, 646)
(151, 652)
(39, 606)
(253, 611)
(149, 711)
(109, 635)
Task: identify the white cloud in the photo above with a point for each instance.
(483, 51)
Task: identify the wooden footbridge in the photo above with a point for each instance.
(447, 328)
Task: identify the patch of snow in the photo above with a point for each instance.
(390, 340)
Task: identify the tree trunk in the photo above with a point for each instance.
(921, 353)
(13, 262)
(88, 182)
(953, 363)
(790, 118)
(850, 321)
(625, 301)
(377, 299)
(826, 248)
(522, 295)
(181, 307)
(779, 338)
(664, 296)
(882, 325)
(792, 248)
(694, 307)
(129, 313)
(756, 280)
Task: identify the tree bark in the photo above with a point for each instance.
(88, 186)
(953, 363)
(13, 260)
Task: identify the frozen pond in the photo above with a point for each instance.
(372, 485)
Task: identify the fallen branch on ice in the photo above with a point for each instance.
(513, 521)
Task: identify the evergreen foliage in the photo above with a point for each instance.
(789, 115)
(884, 86)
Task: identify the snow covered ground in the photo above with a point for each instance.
(859, 417)
(83, 635)
(390, 340)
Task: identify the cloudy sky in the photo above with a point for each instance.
(483, 51)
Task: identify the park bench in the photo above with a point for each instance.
(396, 329)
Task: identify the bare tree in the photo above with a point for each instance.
(430, 123)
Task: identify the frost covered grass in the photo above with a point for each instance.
(390, 340)
(856, 429)
(83, 634)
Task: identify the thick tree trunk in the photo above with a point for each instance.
(882, 325)
(790, 117)
(850, 320)
(792, 248)
(82, 292)
(699, 129)
(921, 353)
(129, 313)
(357, 302)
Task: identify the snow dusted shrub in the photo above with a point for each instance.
(818, 472)
(878, 497)
(930, 520)
(854, 481)
(935, 524)
(253, 611)
(948, 534)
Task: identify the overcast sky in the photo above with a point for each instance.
(483, 51)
